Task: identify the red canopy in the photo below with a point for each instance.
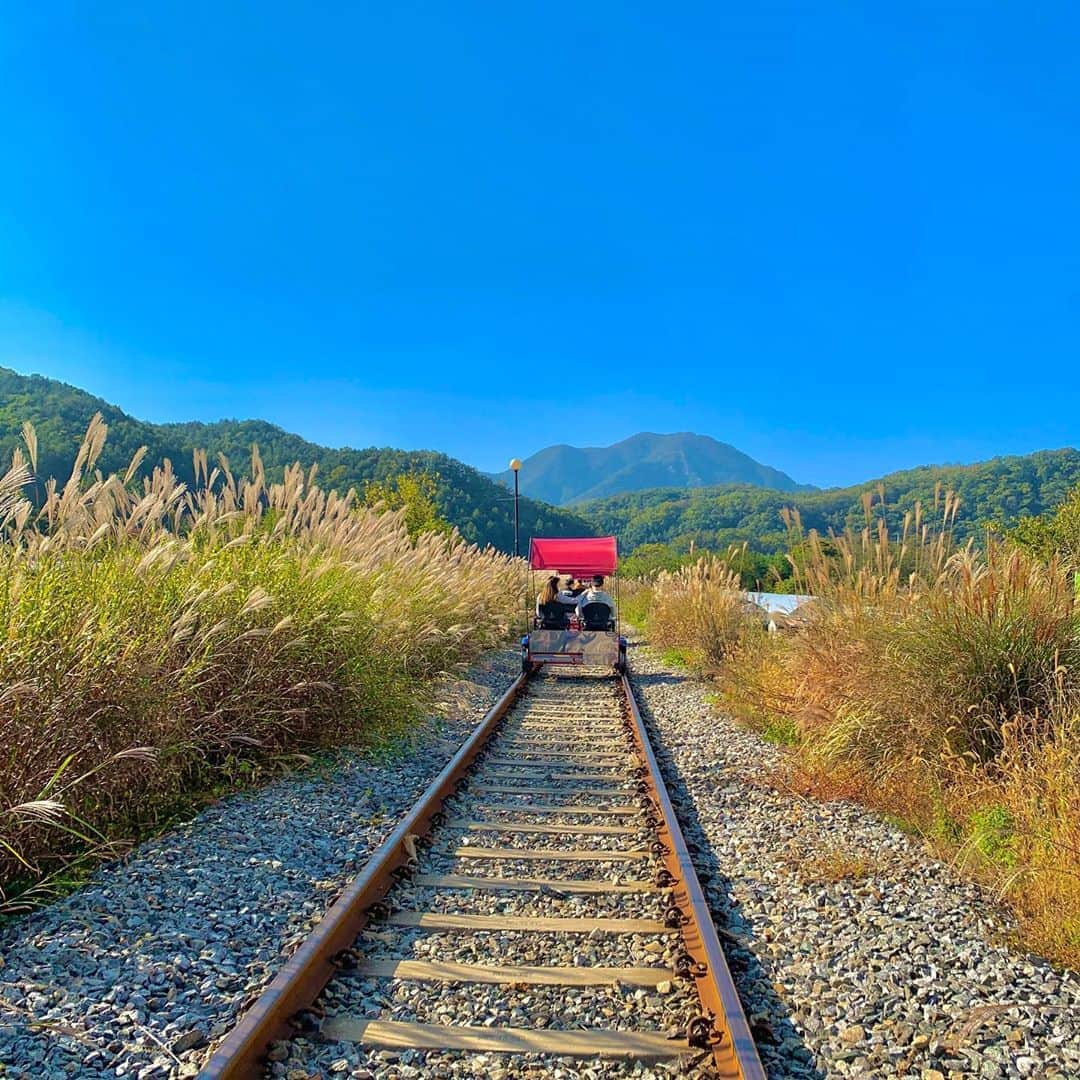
(580, 556)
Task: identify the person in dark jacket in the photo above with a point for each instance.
(596, 595)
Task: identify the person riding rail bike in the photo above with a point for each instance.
(595, 618)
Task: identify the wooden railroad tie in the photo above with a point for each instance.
(400, 1035)
(566, 885)
(562, 761)
(530, 827)
(550, 854)
(439, 920)
(551, 808)
(447, 971)
(578, 793)
(524, 772)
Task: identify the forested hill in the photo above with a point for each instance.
(999, 491)
(479, 507)
(572, 474)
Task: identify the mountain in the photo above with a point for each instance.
(481, 509)
(998, 491)
(571, 474)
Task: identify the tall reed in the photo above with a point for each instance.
(158, 639)
(937, 682)
(699, 610)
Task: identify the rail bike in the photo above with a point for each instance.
(560, 635)
(551, 749)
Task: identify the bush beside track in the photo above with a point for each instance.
(937, 683)
(160, 641)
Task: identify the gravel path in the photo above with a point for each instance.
(892, 971)
(855, 952)
(663, 1008)
(136, 972)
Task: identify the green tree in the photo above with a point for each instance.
(417, 493)
(1053, 533)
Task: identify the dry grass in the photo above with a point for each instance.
(699, 612)
(159, 640)
(835, 864)
(940, 685)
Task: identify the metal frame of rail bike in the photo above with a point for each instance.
(582, 557)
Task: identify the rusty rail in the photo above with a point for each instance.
(722, 1028)
(312, 966)
(730, 1039)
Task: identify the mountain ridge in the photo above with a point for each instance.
(60, 412)
(1001, 489)
(998, 491)
(566, 475)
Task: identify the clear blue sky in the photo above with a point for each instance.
(844, 237)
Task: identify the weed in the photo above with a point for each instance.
(836, 864)
(781, 730)
(937, 683)
(991, 831)
(679, 658)
(158, 643)
(902, 824)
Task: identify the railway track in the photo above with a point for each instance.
(541, 879)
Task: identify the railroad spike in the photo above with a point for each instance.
(675, 918)
(346, 960)
(665, 879)
(701, 1033)
(686, 967)
(379, 910)
(307, 1021)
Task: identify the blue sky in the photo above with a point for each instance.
(844, 237)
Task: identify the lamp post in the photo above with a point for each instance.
(515, 467)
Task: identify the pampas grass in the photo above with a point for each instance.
(154, 637)
(699, 611)
(935, 682)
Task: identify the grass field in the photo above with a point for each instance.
(160, 641)
(936, 683)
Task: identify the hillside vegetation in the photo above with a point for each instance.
(1000, 491)
(572, 474)
(161, 639)
(933, 680)
(480, 509)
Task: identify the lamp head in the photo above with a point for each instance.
(515, 464)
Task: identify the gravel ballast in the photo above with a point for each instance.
(138, 971)
(855, 952)
(898, 970)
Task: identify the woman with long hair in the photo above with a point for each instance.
(549, 594)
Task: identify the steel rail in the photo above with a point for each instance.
(734, 1053)
(312, 966)
(723, 1029)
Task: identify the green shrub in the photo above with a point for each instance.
(991, 830)
(156, 640)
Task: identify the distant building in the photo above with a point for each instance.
(779, 610)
